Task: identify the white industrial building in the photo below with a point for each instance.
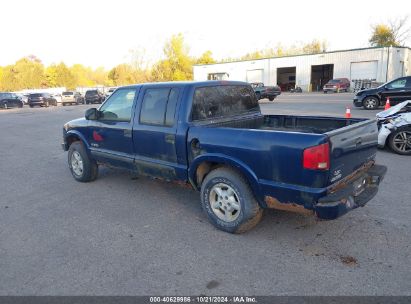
(311, 72)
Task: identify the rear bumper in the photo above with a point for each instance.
(270, 94)
(37, 103)
(353, 195)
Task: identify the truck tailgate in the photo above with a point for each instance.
(351, 147)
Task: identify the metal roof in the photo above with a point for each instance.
(299, 55)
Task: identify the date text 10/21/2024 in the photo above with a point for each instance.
(203, 299)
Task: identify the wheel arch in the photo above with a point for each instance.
(72, 136)
(204, 164)
(372, 95)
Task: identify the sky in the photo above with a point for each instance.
(102, 33)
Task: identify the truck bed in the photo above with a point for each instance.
(272, 147)
(289, 123)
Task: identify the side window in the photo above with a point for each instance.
(408, 85)
(158, 107)
(400, 83)
(119, 106)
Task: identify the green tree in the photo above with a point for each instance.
(382, 36)
(206, 58)
(395, 33)
(122, 74)
(26, 73)
(64, 77)
(83, 76)
(177, 64)
(51, 76)
(314, 47)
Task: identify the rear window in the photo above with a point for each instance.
(91, 92)
(335, 81)
(36, 95)
(68, 93)
(222, 101)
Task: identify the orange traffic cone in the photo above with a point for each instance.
(387, 104)
(348, 113)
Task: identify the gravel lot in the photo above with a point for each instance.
(122, 235)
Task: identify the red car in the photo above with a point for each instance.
(337, 85)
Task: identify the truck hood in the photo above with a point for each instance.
(393, 110)
(367, 91)
(79, 122)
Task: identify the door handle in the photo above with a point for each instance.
(127, 133)
(170, 139)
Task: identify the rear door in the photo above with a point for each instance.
(154, 133)
(351, 147)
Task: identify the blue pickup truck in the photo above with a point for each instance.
(212, 136)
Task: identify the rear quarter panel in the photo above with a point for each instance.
(271, 156)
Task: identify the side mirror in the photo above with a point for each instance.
(92, 114)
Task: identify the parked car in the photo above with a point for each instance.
(94, 96)
(213, 136)
(71, 98)
(109, 92)
(397, 91)
(296, 90)
(23, 98)
(337, 85)
(261, 91)
(42, 100)
(10, 100)
(394, 127)
(57, 97)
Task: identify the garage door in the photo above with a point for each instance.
(255, 76)
(364, 70)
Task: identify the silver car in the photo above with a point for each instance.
(394, 127)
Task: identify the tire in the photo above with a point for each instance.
(271, 98)
(371, 103)
(220, 209)
(31, 106)
(81, 166)
(258, 95)
(400, 141)
(325, 92)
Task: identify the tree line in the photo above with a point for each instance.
(176, 64)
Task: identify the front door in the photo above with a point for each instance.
(110, 136)
(398, 90)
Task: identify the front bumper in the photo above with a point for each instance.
(352, 195)
(357, 101)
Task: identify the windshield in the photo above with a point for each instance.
(223, 101)
(36, 95)
(91, 93)
(68, 93)
(335, 81)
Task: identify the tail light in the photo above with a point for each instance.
(317, 157)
